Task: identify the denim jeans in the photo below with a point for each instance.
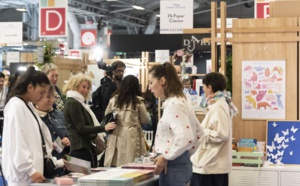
(179, 171)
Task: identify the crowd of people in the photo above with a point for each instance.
(187, 152)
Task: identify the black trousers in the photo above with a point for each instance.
(209, 180)
(85, 154)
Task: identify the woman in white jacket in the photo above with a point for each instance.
(212, 159)
(22, 156)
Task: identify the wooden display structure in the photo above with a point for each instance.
(257, 39)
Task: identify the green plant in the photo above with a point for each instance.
(49, 52)
(229, 72)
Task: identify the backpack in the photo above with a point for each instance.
(97, 104)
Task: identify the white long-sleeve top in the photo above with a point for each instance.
(22, 153)
(178, 130)
(214, 154)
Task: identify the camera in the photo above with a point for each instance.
(103, 66)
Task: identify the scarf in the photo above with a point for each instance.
(76, 95)
(211, 99)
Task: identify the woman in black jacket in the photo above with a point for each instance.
(81, 122)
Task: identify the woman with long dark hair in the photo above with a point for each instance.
(22, 156)
(126, 142)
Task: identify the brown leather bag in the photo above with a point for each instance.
(98, 145)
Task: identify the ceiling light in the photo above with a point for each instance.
(22, 9)
(157, 15)
(138, 7)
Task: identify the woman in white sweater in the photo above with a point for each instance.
(22, 153)
(212, 159)
(178, 130)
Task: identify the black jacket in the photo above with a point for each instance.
(102, 96)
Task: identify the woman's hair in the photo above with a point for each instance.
(127, 92)
(51, 90)
(216, 80)
(31, 76)
(48, 67)
(173, 86)
(2, 75)
(75, 81)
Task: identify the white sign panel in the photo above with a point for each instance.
(11, 33)
(12, 57)
(162, 56)
(263, 89)
(175, 16)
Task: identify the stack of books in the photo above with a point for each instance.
(247, 145)
(146, 166)
(116, 177)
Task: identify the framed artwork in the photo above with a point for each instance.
(263, 89)
(283, 141)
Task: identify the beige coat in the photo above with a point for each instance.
(126, 142)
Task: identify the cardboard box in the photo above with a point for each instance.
(284, 8)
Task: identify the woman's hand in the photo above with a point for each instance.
(110, 126)
(65, 141)
(161, 164)
(37, 177)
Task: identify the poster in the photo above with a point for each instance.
(283, 141)
(162, 56)
(263, 89)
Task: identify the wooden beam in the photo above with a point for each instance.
(197, 31)
(264, 29)
(223, 37)
(266, 39)
(213, 36)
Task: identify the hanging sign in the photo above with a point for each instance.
(53, 18)
(88, 35)
(175, 16)
(11, 33)
(262, 8)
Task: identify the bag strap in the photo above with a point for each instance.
(43, 141)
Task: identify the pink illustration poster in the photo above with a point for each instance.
(263, 89)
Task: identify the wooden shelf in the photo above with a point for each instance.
(191, 74)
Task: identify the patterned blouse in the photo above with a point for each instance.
(178, 130)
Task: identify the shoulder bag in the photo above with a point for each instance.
(49, 167)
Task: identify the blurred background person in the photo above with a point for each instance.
(51, 70)
(127, 141)
(187, 87)
(81, 122)
(3, 93)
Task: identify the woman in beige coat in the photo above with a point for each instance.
(126, 142)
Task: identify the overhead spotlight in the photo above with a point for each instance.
(138, 7)
(22, 9)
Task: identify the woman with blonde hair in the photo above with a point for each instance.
(81, 122)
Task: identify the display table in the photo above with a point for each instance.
(287, 175)
(150, 182)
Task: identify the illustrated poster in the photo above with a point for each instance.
(263, 89)
(283, 141)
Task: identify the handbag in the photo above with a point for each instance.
(110, 117)
(49, 167)
(98, 145)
